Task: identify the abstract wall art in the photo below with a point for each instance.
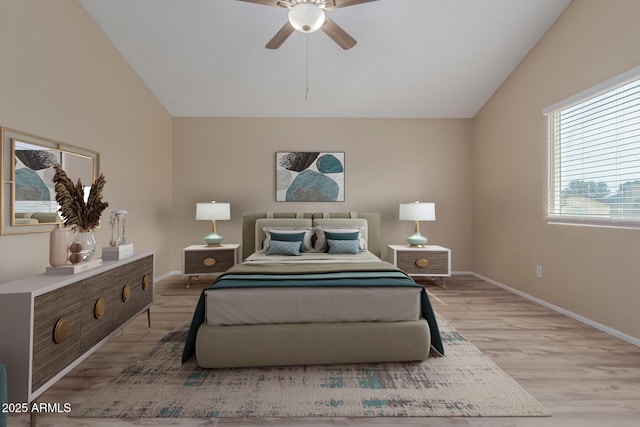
(304, 176)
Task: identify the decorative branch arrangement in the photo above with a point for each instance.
(75, 212)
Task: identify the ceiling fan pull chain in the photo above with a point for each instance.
(306, 94)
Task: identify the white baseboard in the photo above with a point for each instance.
(614, 332)
(165, 275)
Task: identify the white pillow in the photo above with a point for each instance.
(282, 223)
(321, 239)
(306, 242)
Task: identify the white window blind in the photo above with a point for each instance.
(594, 155)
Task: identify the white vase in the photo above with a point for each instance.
(58, 246)
(82, 246)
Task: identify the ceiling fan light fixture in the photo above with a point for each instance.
(306, 17)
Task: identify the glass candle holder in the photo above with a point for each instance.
(118, 226)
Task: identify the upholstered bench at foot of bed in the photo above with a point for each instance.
(311, 343)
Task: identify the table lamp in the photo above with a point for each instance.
(213, 211)
(417, 212)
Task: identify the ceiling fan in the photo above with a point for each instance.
(307, 16)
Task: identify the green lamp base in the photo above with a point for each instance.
(213, 239)
(417, 240)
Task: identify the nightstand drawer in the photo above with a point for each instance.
(423, 262)
(208, 261)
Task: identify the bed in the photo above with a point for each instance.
(312, 290)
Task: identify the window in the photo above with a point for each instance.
(594, 155)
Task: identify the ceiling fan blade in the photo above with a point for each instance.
(280, 37)
(337, 34)
(337, 4)
(264, 2)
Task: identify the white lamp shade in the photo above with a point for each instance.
(418, 211)
(306, 17)
(213, 211)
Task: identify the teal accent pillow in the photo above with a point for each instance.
(282, 247)
(289, 237)
(347, 236)
(351, 235)
(343, 246)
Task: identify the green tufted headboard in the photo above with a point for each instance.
(249, 226)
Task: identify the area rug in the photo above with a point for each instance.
(464, 383)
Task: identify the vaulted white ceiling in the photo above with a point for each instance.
(414, 58)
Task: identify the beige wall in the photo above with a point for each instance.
(593, 272)
(62, 79)
(387, 162)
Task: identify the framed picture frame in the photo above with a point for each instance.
(309, 176)
(27, 193)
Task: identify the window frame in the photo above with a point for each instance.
(553, 204)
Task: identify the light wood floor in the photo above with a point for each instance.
(585, 377)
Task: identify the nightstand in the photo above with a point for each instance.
(203, 259)
(428, 261)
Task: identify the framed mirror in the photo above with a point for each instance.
(27, 196)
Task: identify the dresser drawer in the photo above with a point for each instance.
(124, 288)
(97, 309)
(423, 262)
(208, 261)
(56, 332)
(144, 278)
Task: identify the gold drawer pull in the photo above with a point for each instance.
(209, 262)
(422, 263)
(99, 308)
(146, 280)
(126, 293)
(61, 330)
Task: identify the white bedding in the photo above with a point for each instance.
(311, 305)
